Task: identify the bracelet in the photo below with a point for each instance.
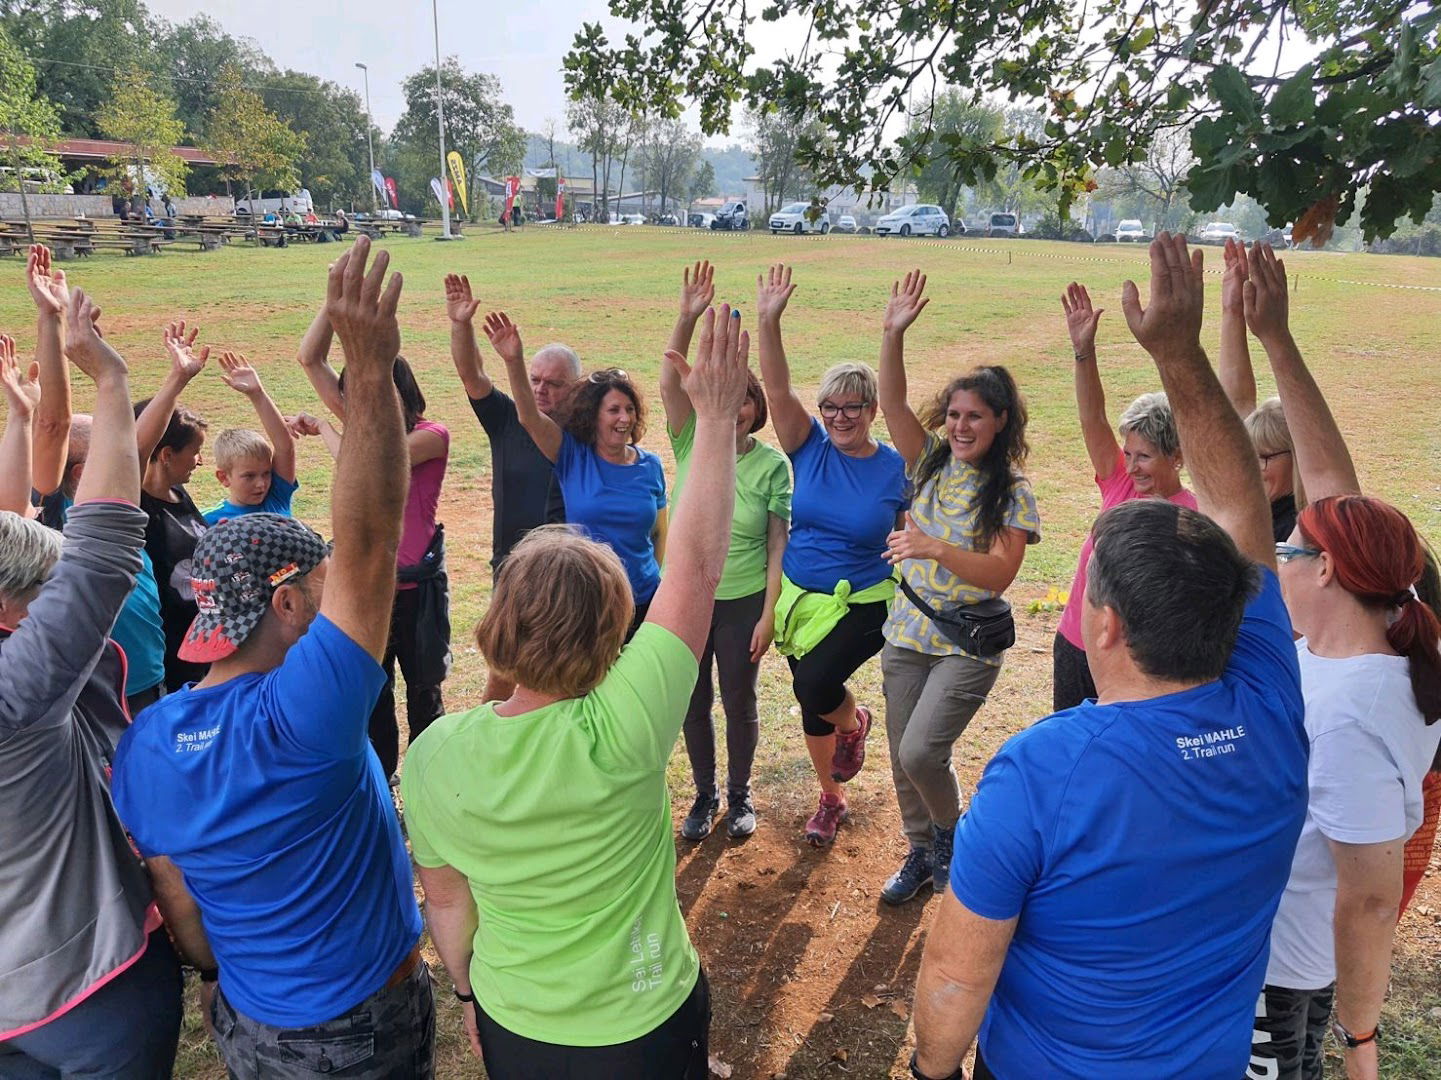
(1082, 358)
(208, 975)
(916, 1071)
(469, 999)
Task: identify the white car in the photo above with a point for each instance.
(921, 219)
(847, 224)
(632, 219)
(1130, 231)
(1218, 232)
(792, 218)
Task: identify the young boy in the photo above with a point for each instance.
(258, 473)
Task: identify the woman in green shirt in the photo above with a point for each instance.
(744, 619)
(541, 824)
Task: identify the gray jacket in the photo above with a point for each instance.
(74, 895)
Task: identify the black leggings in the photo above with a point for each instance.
(677, 1050)
(422, 700)
(819, 677)
(1071, 681)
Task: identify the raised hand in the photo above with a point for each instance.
(504, 337)
(716, 384)
(21, 388)
(47, 286)
(237, 373)
(84, 346)
(909, 543)
(184, 363)
(1267, 303)
(1171, 323)
(906, 303)
(1081, 319)
(460, 305)
(361, 311)
(303, 424)
(697, 289)
(1234, 279)
(773, 292)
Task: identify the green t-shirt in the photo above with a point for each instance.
(560, 819)
(763, 487)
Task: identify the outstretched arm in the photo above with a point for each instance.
(905, 305)
(184, 366)
(505, 339)
(1234, 363)
(51, 434)
(22, 398)
(1321, 456)
(1218, 452)
(314, 360)
(697, 290)
(788, 411)
(1081, 323)
(237, 373)
(460, 307)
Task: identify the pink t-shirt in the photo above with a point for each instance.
(420, 506)
(1115, 489)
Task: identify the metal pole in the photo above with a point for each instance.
(369, 141)
(440, 122)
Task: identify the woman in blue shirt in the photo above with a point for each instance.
(850, 492)
(613, 490)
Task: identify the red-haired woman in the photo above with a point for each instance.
(1371, 674)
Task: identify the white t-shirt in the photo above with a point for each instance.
(1370, 750)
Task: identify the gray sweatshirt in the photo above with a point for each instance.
(74, 896)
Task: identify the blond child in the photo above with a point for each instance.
(257, 471)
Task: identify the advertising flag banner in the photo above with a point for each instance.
(437, 190)
(379, 181)
(559, 197)
(457, 173)
(390, 190)
(512, 189)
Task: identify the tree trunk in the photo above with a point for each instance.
(20, 187)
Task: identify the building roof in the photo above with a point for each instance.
(100, 149)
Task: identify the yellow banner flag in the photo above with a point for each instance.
(457, 173)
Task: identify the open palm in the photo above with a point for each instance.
(460, 304)
(181, 346)
(773, 291)
(907, 302)
(22, 390)
(1081, 318)
(697, 289)
(47, 286)
(504, 337)
(238, 374)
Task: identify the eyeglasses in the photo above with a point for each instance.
(610, 374)
(1266, 458)
(1286, 552)
(852, 411)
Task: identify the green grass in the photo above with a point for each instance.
(611, 294)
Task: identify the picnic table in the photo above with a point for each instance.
(376, 228)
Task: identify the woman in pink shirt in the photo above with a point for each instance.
(1144, 463)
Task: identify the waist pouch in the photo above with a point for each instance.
(984, 629)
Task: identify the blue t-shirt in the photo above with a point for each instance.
(1144, 846)
(842, 511)
(265, 792)
(276, 501)
(139, 631)
(617, 505)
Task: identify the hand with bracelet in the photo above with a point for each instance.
(1081, 321)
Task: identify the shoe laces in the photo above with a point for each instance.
(703, 806)
(917, 862)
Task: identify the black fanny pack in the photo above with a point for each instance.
(985, 629)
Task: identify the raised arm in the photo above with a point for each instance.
(367, 498)
(905, 305)
(460, 307)
(1081, 322)
(51, 429)
(788, 412)
(237, 373)
(112, 469)
(22, 398)
(314, 358)
(700, 535)
(184, 366)
(1321, 456)
(505, 339)
(1218, 452)
(697, 290)
(1234, 363)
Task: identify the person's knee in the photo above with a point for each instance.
(815, 727)
(816, 691)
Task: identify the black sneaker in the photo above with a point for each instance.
(740, 815)
(913, 876)
(943, 841)
(697, 823)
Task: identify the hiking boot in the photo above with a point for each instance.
(740, 815)
(913, 876)
(850, 752)
(821, 828)
(943, 841)
(697, 823)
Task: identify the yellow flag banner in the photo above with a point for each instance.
(457, 172)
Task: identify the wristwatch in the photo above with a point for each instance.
(1352, 1041)
(469, 999)
(916, 1072)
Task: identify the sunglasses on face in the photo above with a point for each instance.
(1286, 552)
(606, 375)
(851, 412)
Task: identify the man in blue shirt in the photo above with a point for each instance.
(1115, 879)
(254, 795)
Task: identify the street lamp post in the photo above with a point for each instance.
(369, 141)
(440, 121)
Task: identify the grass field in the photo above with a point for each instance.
(810, 977)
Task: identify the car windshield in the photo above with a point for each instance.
(1131, 224)
(1003, 219)
(795, 208)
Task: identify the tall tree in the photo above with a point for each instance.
(777, 141)
(702, 182)
(143, 119)
(252, 144)
(29, 124)
(194, 53)
(597, 123)
(1363, 110)
(335, 165)
(671, 155)
(957, 124)
(1159, 179)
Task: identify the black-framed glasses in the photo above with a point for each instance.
(851, 411)
(610, 374)
(1286, 552)
(1265, 459)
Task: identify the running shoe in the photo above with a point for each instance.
(850, 752)
(943, 841)
(821, 828)
(697, 823)
(913, 876)
(740, 815)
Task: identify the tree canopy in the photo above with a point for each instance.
(143, 118)
(29, 124)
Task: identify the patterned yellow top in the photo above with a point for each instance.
(946, 508)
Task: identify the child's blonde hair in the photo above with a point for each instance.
(237, 444)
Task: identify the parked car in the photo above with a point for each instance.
(1130, 231)
(1004, 225)
(921, 219)
(846, 224)
(667, 219)
(1218, 232)
(701, 220)
(632, 219)
(732, 216)
(1279, 238)
(793, 218)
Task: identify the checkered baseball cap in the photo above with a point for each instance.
(236, 569)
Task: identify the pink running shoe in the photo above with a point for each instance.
(850, 752)
(821, 828)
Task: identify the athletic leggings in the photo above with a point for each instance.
(819, 677)
(1071, 681)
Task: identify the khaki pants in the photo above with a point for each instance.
(929, 702)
